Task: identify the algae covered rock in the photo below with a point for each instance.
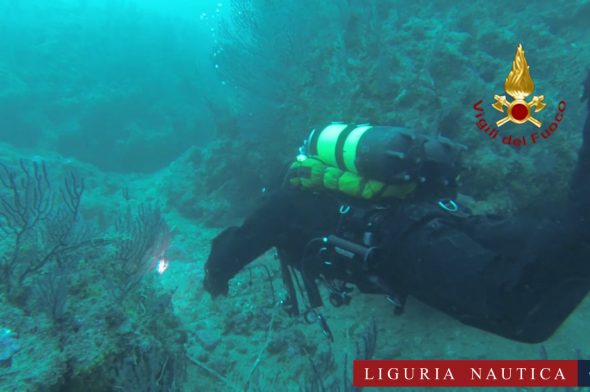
(9, 345)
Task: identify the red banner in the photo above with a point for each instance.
(465, 373)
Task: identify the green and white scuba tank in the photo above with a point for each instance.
(376, 162)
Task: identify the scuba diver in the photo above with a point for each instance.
(375, 207)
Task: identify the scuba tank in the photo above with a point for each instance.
(391, 155)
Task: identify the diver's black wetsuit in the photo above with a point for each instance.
(516, 277)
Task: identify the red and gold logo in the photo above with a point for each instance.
(519, 85)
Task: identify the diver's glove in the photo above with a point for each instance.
(215, 284)
(223, 262)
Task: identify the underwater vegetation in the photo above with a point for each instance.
(8, 346)
(73, 289)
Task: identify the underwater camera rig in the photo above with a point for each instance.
(338, 262)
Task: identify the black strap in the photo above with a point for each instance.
(310, 287)
(313, 141)
(340, 146)
(292, 305)
(312, 291)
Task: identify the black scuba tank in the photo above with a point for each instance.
(389, 154)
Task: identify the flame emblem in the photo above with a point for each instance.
(519, 85)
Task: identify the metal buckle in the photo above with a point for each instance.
(344, 209)
(448, 205)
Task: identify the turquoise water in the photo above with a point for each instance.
(141, 129)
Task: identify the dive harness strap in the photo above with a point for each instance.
(310, 288)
